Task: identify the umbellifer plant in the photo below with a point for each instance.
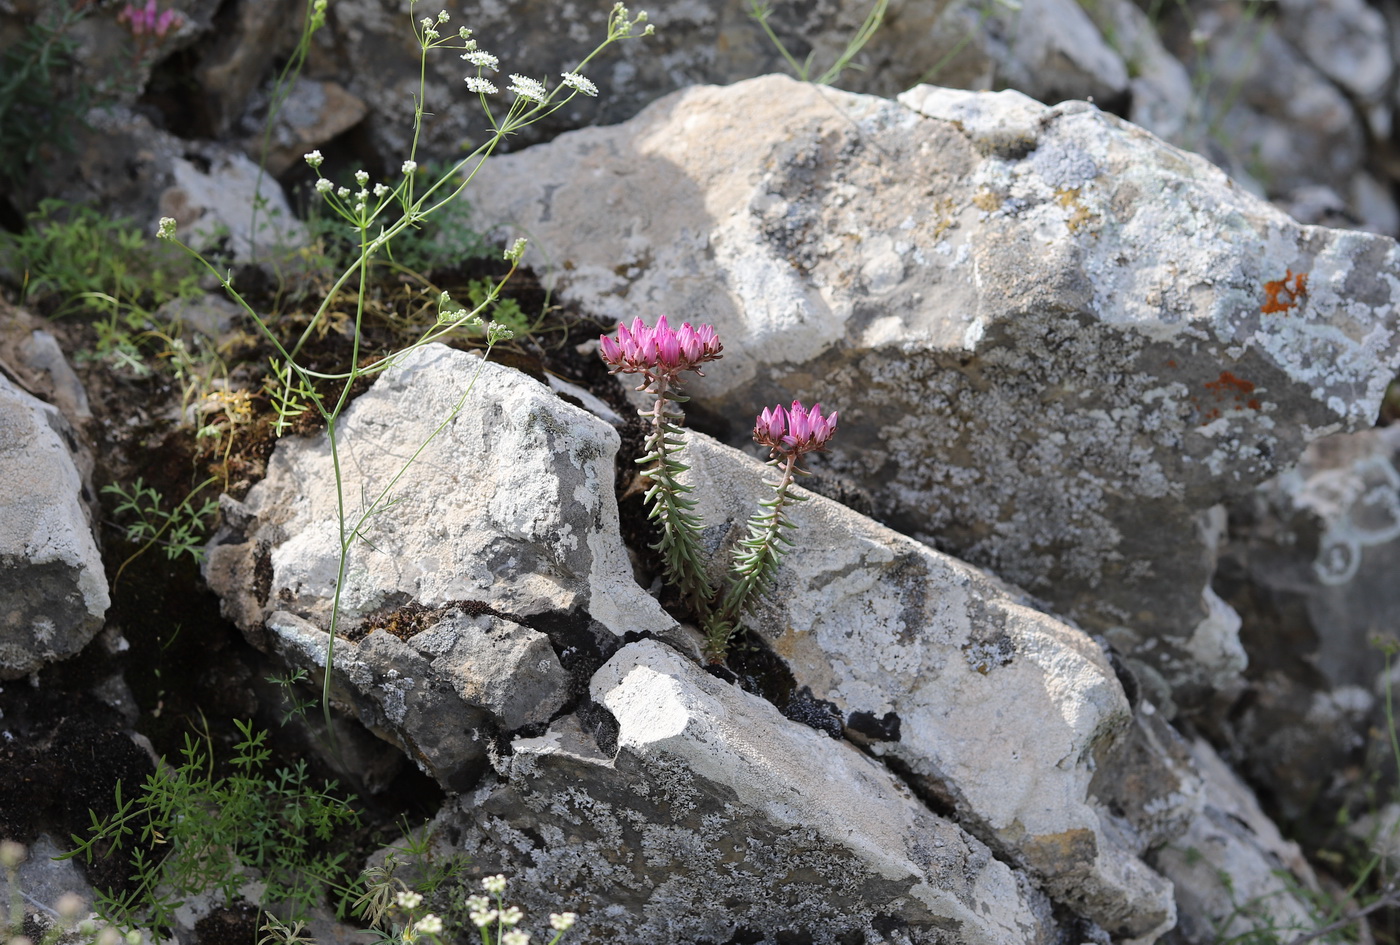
(661, 354)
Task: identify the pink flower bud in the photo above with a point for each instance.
(660, 351)
(794, 431)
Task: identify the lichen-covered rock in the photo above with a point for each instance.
(53, 590)
(1310, 563)
(1235, 874)
(508, 514)
(1055, 340)
(440, 693)
(706, 814)
(510, 504)
(1048, 48)
(992, 708)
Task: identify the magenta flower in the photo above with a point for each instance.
(144, 21)
(794, 431)
(662, 351)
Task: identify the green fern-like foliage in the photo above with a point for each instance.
(186, 832)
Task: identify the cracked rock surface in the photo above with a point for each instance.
(972, 721)
(53, 589)
(711, 813)
(1055, 340)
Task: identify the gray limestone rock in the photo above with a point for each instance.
(225, 196)
(1048, 48)
(988, 706)
(441, 693)
(1160, 86)
(53, 590)
(122, 162)
(1055, 340)
(1310, 563)
(1235, 874)
(505, 519)
(1348, 40)
(509, 505)
(312, 114)
(708, 812)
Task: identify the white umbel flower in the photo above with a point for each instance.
(527, 88)
(482, 59)
(575, 81)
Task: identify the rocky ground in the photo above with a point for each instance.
(1087, 633)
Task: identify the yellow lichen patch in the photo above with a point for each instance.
(1067, 847)
(1082, 216)
(987, 199)
(786, 644)
(941, 211)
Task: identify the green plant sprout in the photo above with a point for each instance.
(187, 832)
(295, 705)
(180, 531)
(35, 112)
(761, 11)
(661, 354)
(81, 258)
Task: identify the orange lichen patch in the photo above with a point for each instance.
(1280, 295)
(1228, 382)
(1227, 386)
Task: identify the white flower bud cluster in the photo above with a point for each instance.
(531, 90)
(429, 925)
(575, 81)
(482, 59)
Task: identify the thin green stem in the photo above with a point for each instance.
(755, 563)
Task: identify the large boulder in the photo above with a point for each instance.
(516, 482)
(987, 706)
(500, 537)
(704, 814)
(53, 589)
(1056, 341)
(1048, 48)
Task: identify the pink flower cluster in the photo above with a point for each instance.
(796, 430)
(662, 351)
(145, 21)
